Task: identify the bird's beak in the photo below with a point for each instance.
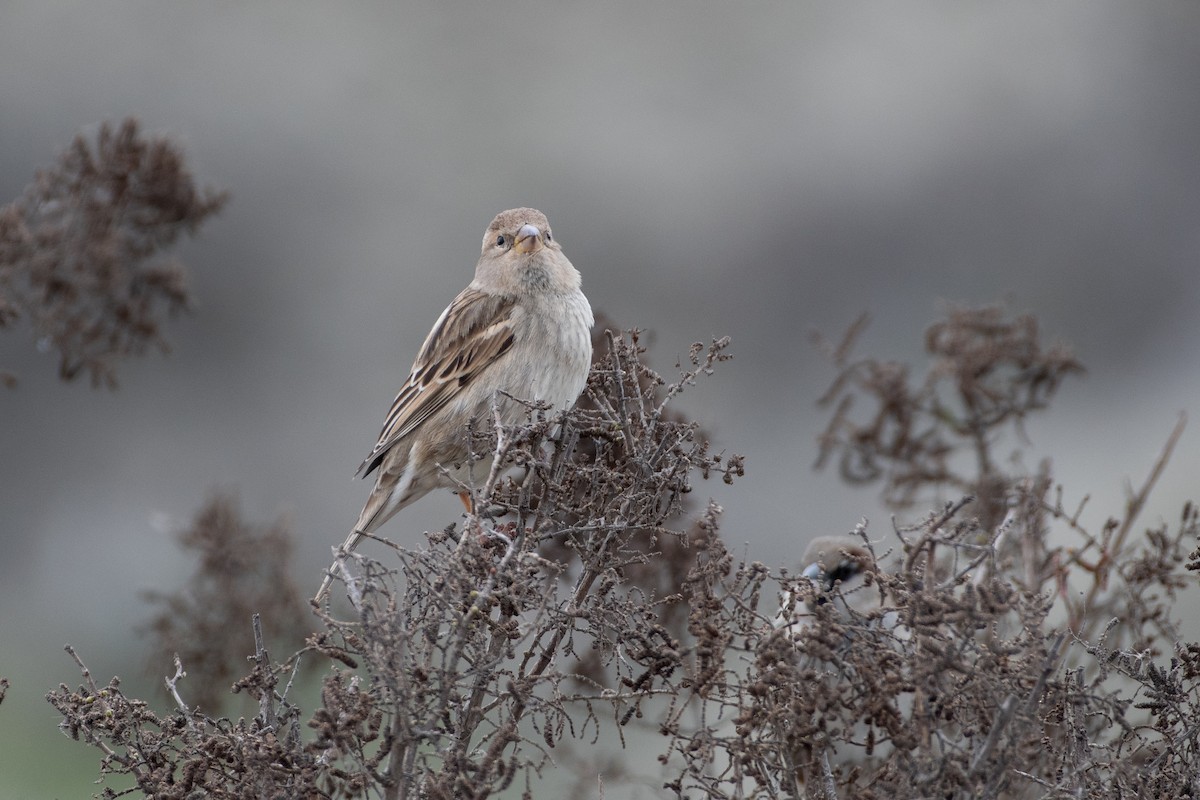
(529, 239)
(814, 572)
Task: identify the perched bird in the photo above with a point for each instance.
(520, 330)
(815, 664)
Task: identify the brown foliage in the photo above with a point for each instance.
(82, 252)
(455, 676)
(185, 754)
(983, 657)
(987, 371)
(241, 570)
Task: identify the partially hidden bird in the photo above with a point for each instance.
(830, 561)
(521, 331)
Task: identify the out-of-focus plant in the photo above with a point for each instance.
(84, 252)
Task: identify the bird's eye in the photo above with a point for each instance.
(549, 236)
(500, 240)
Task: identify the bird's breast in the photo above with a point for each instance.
(552, 352)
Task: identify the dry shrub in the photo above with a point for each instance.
(83, 250)
(986, 657)
(987, 372)
(455, 676)
(242, 569)
(992, 659)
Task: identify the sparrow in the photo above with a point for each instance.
(520, 331)
(830, 561)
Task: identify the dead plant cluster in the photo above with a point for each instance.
(998, 647)
(82, 251)
(204, 622)
(995, 649)
(467, 661)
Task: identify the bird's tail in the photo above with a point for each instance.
(376, 512)
(347, 547)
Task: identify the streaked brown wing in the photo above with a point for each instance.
(473, 331)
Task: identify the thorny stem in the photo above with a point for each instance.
(400, 762)
(619, 383)
(1049, 665)
(1111, 554)
(173, 689)
(87, 673)
(582, 587)
(932, 529)
(262, 663)
(503, 444)
(827, 782)
(135, 766)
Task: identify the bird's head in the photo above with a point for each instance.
(520, 255)
(832, 560)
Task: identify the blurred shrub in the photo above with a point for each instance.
(83, 251)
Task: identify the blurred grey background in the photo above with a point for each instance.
(752, 170)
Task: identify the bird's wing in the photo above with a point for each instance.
(475, 329)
